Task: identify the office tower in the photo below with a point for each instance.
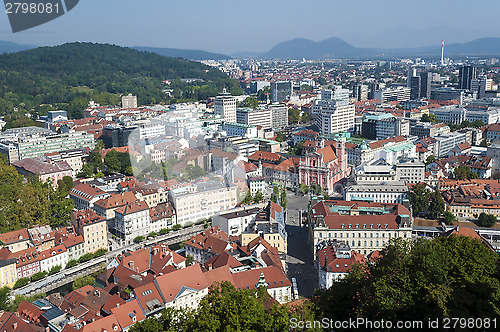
(225, 106)
(129, 101)
(400, 93)
(255, 117)
(281, 90)
(481, 84)
(412, 72)
(279, 114)
(465, 76)
(415, 86)
(334, 113)
(360, 92)
(373, 87)
(425, 85)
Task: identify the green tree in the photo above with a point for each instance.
(100, 252)
(280, 137)
(484, 143)
(430, 160)
(455, 276)
(71, 263)
(189, 260)
(275, 194)
(436, 204)
(303, 188)
(21, 282)
(83, 281)
(419, 199)
(251, 102)
(248, 198)
(176, 227)
(227, 309)
(39, 275)
(449, 218)
(293, 115)
(4, 298)
(55, 269)
(85, 257)
(258, 197)
(112, 162)
(283, 200)
(464, 172)
(138, 239)
(486, 220)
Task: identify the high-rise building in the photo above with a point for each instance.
(360, 92)
(334, 113)
(255, 117)
(425, 85)
(465, 76)
(129, 101)
(225, 106)
(481, 84)
(400, 93)
(281, 90)
(415, 86)
(279, 114)
(412, 72)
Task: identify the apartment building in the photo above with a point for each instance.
(92, 227)
(132, 220)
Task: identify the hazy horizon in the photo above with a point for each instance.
(222, 27)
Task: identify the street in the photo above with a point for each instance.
(299, 258)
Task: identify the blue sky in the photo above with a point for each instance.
(234, 26)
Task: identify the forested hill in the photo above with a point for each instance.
(69, 75)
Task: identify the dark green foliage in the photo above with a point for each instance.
(449, 218)
(68, 76)
(176, 227)
(463, 172)
(258, 197)
(118, 162)
(486, 220)
(139, 238)
(153, 234)
(227, 309)
(164, 231)
(21, 282)
(280, 137)
(250, 102)
(248, 198)
(293, 115)
(430, 160)
(83, 281)
(71, 263)
(55, 269)
(39, 275)
(13, 305)
(85, 257)
(454, 276)
(189, 260)
(436, 204)
(419, 199)
(100, 252)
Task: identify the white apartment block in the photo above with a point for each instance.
(400, 93)
(202, 200)
(279, 113)
(239, 129)
(237, 221)
(150, 129)
(55, 256)
(132, 220)
(445, 143)
(255, 117)
(383, 192)
(225, 106)
(129, 101)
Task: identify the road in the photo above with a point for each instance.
(300, 259)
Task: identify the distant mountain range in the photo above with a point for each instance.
(299, 48)
(185, 54)
(10, 47)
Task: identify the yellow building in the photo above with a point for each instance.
(92, 227)
(8, 275)
(15, 241)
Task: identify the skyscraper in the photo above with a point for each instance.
(334, 113)
(412, 72)
(425, 85)
(415, 86)
(466, 74)
(281, 90)
(225, 106)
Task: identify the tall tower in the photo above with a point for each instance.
(225, 105)
(442, 53)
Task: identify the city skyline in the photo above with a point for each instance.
(224, 28)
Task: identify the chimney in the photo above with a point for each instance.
(118, 305)
(131, 264)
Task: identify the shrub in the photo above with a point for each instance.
(164, 231)
(83, 281)
(153, 234)
(55, 269)
(39, 275)
(85, 257)
(100, 252)
(21, 282)
(71, 263)
(176, 227)
(138, 239)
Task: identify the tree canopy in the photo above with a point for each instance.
(453, 276)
